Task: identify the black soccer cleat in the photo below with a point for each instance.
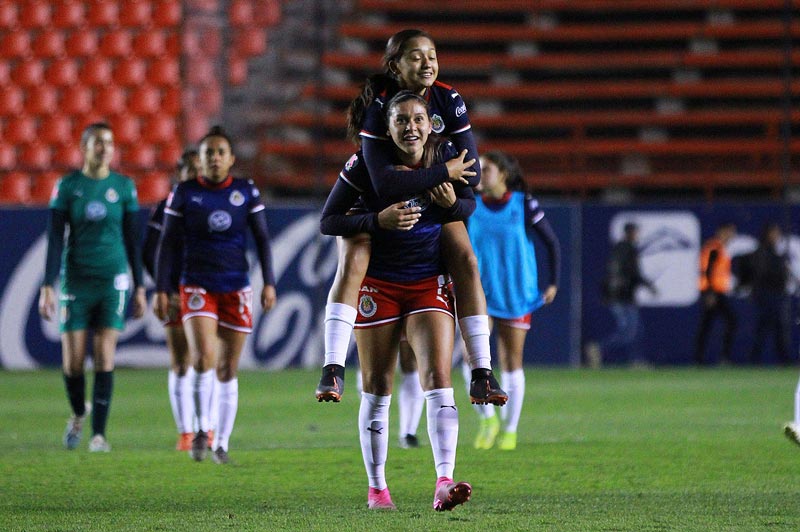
(484, 388)
(199, 446)
(331, 384)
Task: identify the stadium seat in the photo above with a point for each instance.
(144, 100)
(49, 43)
(15, 44)
(171, 100)
(116, 43)
(43, 185)
(164, 72)
(68, 14)
(136, 14)
(130, 72)
(34, 14)
(139, 155)
(15, 188)
(8, 157)
(61, 72)
(127, 128)
(34, 156)
(28, 73)
(172, 44)
(240, 13)
(5, 73)
(76, 100)
(237, 70)
(41, 100)
(169, 153)
(250, 41)
(103, 13)
(158, 128)
(208, 100)
(12, 102)
(149, 43)
(81, 43)
(110, 100)
(167, 13)
(268, 13)
(153, 187)
(96, 71)
(67, 154)
(20, 129)
(8, 14)
(55, 128)
(202, 72)
(195, 125)
(200, 6)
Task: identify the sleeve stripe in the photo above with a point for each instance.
(369, 135)
(463, 129)
(171, 212)
(343, 178)
(537, 217)
(258, 208)
(155, 226)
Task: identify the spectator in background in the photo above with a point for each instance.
(623, 277)
(714, 285)
(769, 274)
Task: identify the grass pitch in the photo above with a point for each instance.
(611, 450)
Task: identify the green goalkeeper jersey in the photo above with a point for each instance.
(94, 210)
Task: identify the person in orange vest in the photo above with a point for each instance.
(714, 285)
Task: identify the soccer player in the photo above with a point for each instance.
(181, 373)
(405, 290)
(208, 218)
(501, 230)
(101, 210)
(410, 63)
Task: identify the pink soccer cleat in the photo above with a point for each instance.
(380, 499)
(450, 494)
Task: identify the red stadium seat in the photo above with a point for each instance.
(240, 13)
(127, 128)
(167, 13)
(8, 157)
(12, 102)
(76, 100)
(41, 100)
(171, 100)
(34, 156)
(211, 40)
(20, 129)
(110, 100)
(68, 14)
(237, 70)
(117, 43)
(169, 153)
(96, 71)
(267, 13)
(103, 13)
(5, 73)
(139, 155)
(34, 14)
(172, 44)
(81, 43)
(159, 128)
(250, 41)
(135, 14)
(164, 72)
(55, 129)
(62, 72)
(68, 155)
(202, 72)
(15, 188)
(150, 43)
(153, 187)
(15, 44)
(209, 99)
(8, 14)
(49, 43)
(43, 185)
(209, 6)
(195, 125)
(28, 73)
(130, 72)
(144, 100)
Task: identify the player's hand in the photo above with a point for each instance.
(47, 302)
(139, 302)
(398, 217)
(161, 305)
(443, 195)
(458, 168)
(268, 297)
(550, 294)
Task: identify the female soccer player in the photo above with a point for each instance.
(101, 209)
(405, 290)
(410, 63)
(181, 374)
(208, 218)
(501, 232)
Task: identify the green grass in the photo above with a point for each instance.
(612, 450)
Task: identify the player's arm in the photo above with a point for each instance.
(544, 230)
(257, 220)
(56, 229)
(131, 237)
(336, 222)
(466, 141)
(459, 200)
(150, 244)
(171, 235)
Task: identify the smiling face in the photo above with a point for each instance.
(216, 158)
(417, 68)
(409, 127)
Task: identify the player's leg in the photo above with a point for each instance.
(73, 356)
(377, 347)
(410, 397)
(511, 336)
(792, 429)
(104, 342)
(473, 320)
(231, 342)
(201, 337)
(180, 382)
(340, 313)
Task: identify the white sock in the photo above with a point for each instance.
(410, 400)
(186, 398)
(797, 404)
(202, 398)
(339, 321)
(475, 330)
(180, 399)
(213, 406)
(442, 429)
(228, 399)
(373, 431)
(514, 386)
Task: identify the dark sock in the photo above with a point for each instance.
(101, 400)
(76, 393)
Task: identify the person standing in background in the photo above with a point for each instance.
(101, 210)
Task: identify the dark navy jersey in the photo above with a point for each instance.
(213, 220)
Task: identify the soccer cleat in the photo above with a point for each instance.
(98, 444)
(211, 440)
(74, 431)
(200, 446)
(450, 494)
(484, 388)
(220, 456)
(331, 384)
(409, 441)
(380, 499)
(792, 431)
(489, 427)
(507, 441)
(184, 441)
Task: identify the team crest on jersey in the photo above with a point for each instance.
(437, 124)
(351, 163)
(367, 306)
(112, 196)
(423, 201)
(95, 211)
(236, 198)
(219, 221)
(196, 301)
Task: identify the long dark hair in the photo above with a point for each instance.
(510, 167)
(377, 83)
(435, 143)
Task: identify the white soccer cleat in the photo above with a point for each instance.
(98, 444)
(792, 431)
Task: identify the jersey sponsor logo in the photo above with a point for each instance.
(95, 211)
(367, 306)
(423, 201)
(351, 163)
(112, 196)
(437, 124)
(219, 221)
(196, 301)
(236, 198)
(461, 109)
